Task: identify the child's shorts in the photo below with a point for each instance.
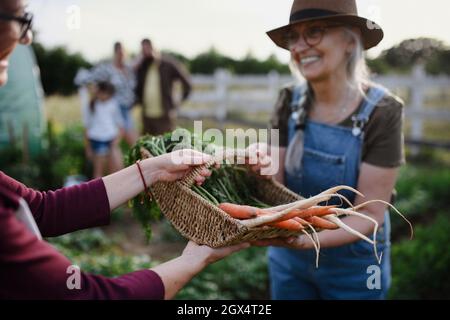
(100, 148)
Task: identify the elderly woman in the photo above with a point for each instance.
(336, 128)
(30, 267)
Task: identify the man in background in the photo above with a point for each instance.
(156, 76)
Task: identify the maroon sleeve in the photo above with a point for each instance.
(33, 269)
(65, 210)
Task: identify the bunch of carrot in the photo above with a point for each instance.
(294, 220)
(307, 216)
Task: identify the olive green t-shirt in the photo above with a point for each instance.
(383, 143)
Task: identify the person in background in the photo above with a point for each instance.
(156, 77)
(30, 268)
(336, 128)
(121, 75)
(103, 129)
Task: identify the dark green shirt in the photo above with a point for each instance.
(383, 144)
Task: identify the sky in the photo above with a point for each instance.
(233, 27)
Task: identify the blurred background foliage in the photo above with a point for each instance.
(58, 66)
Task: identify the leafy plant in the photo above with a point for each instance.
(95, 253)
(422, 192)
(243, 275)
(421, 267)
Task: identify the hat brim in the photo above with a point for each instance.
(371, 33)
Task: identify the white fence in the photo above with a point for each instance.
(217, 95)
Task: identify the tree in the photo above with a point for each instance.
(208, 62)
(178, 56)
(439, 63)
(251, 65)
(58, 68)
(409, 52)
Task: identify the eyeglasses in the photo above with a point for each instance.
(312, 35)
(26, 22)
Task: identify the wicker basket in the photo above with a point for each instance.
(200, 221)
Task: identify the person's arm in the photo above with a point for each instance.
(378, 174)
(182, 75)
(33, 269)
(279, 121)
(279, 176)
(67, 209)
(89, 204)
(375, 183)
(127, 183)
(176, 273)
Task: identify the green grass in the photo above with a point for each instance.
(421, 268)
(95, 253)
(63, 111)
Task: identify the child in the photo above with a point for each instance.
(103, 129)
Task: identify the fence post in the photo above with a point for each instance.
(221, 81)
(417, 102)
(274, 81)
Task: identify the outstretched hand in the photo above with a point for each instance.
(175, 165)
(299, 242)
(259, 160)
(208, 255)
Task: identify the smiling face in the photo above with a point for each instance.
(10, 34)
(328, 55)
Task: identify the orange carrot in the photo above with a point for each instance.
(316, 211)
(239, 212)
(306, 213)
(288, 225)
(321, 223)
(300, 220)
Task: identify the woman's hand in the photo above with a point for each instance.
(179, 271)
(127, 183)
(205, 255)
(175, 165)
(300, 242)
(259, 159)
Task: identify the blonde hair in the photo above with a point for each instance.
(357, 70)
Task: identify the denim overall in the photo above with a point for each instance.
(332, 156)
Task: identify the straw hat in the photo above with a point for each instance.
(342, 11)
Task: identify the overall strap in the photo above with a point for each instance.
(298, 99)
(298, 96)
(376, 93)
